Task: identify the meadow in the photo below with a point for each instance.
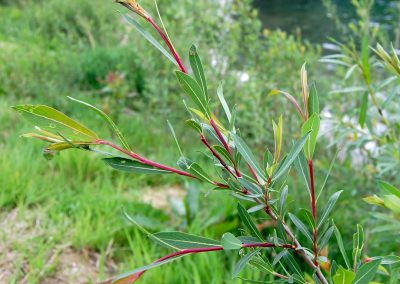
(62, 219)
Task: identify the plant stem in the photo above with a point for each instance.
(216, 155)
(152, 163)
(314, 210)
(226, 146)
(208, 249)
(169, 44)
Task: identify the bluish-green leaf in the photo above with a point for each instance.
(301, 227)
(198, 71)
(194, 169)
(241, 264)
(329, 207)
(220, 93)
(302, 169)
(294, 152)
(182, 241)
(248, 155)
(132, 166)
(149, 37)
(195, 92)
(367, 272)
(341, 246)
(246, 219)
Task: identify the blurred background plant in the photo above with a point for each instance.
(51, 49)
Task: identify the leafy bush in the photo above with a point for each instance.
(282, 253)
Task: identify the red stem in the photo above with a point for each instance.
(169, 44)
(225, 144)
(314, 210)
(154, 164)
(216, 155)
(209, 249)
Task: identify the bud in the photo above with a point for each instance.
(134, 7)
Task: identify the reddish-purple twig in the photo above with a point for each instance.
(314, 210)
(209, 249)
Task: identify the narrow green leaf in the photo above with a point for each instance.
(128, 165)
(344, 276)
(388, 188)
(243, 262)
(313, 102)
(182, 241)
(230, 242)
(247, 155)
(323, 241)
(223, 152)
(294, 152)
(171, 128)
(107, 119)
(194, 168)
(331, 203)
(311, 126)
(301, 227)
(149, 37)
(252, 187)
(220, 93)
(246, 219)
(327, 174)
(194, 91)
(51, 120)
(198, 71)
(262, 265)
(367, 271)
(278, 136)
(363, 109)
(302, 169)
(284, 195)
(291, 262)
(341, 246)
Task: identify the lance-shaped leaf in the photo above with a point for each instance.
(195, 92)
(294, 152)
(389, 189)
(198, 71)
(262, 264)
(149, 37)
(311, 126)
(194, 168)
(329, 207)
(313, 101)
(128, 165)
(182, 241)
(341, 246)
(367, 271)
(52, 120)
(304, 88)
(247, 155)
(303, 170)
(243, 262)
(220, 93)
(246, 219)
(252, 187)
(301, 227)
(291, 262)
(107, 119)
